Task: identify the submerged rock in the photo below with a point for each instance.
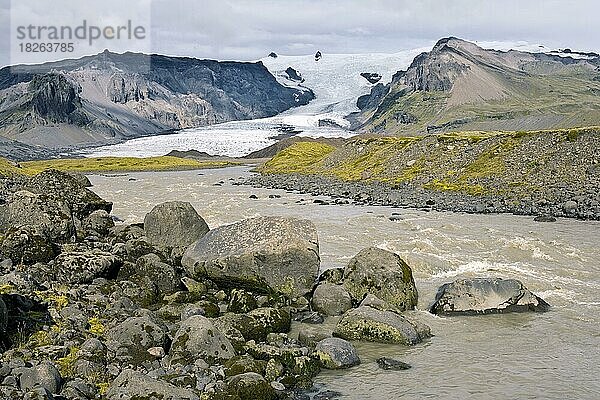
(485, 296)
(369, 324)
(391, 364)
(336, 353)
(263, 254)
(383, 274)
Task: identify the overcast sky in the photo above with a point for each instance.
(250, 29)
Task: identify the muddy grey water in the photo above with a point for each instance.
(555, 355)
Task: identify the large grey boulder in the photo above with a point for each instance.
(44, 375)
(26, 245)
(330, 299)
(50, 217)
(485, 296)
(174, 224)
(369, 324)
(134, 385)
(130, 340)
(197, 337)
(264, 254)
(83, 267)
(336, 353)
(383, 274)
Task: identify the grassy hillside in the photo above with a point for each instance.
(107, 164)
(473, 162)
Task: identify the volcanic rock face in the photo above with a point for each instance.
(108, 96)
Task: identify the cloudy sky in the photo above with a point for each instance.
(250, 29)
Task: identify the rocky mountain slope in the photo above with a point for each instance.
(460, 86)
(535, 173)
(107, 97)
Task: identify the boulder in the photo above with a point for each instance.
(485, 296)
(174, 224)
(162, 274)
(197, 337)
(369, 324)
(250, 386)
(25, 245)
(389, 364)
(258, 323)
(83, 267)
(241, 301)
(331, 299)
(130, 340)
(98, 222)
(64, 187)
(336, 353)
(383, 274)
(44, 375)
(262, 254)
(50, 217)
(134, 385)
(242, 364)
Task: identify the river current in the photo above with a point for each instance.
(554, 355)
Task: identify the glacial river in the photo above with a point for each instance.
(555, 355)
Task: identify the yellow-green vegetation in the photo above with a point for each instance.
(471, 162)
(8, 168)
(66, 364)
(97, 328)
(53, 299)
(300, 157)
(120, 164)
(6, 288)
(39, 339)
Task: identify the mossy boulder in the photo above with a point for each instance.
(383, 274)
(242, 364)
(258, 323)
(336, 353)
(250, 386)
(369, 324)
(241, 301)
(266, 254)
(83, 267)
(134, 385)
(26, 245)
(197, 337)
(130, 340)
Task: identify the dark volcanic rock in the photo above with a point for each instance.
(391, 364)
(371, 77)
(267, 253)
(485, 296)
(294, 75)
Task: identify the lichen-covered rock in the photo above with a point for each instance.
(336, 353)
(197, 337)
(241, 301)
(383, 274)
(50, 217)
(250, 386)
(258, 323)
(98, 222)
(242, 364)
(25, 245)
(331, 299)
(485, 296)
(134, 385)
(151, 266)
(131, 339)
(83, 267)
(174, 224)
(369, 324)
(44, 375)
(332, 275)
(263, 254)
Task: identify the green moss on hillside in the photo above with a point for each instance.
(301, 158)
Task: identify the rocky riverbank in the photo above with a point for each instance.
(542, 173)
(172, 309)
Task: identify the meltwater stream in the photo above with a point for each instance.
(555, 355)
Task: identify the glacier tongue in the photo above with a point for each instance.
(335, 79)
